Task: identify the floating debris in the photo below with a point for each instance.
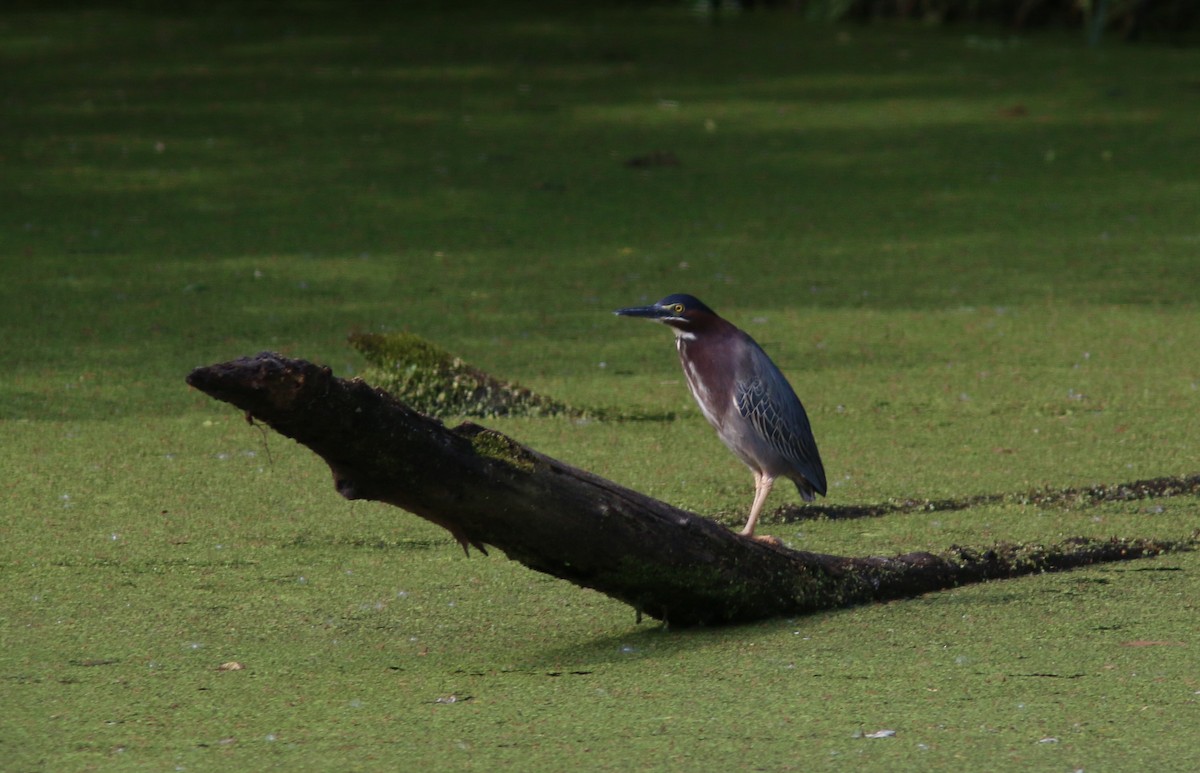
(1067, 498)
(657, 158)
(435, 382)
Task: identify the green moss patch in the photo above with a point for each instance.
(495, 445)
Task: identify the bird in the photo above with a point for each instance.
(745, 398)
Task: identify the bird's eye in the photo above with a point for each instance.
(677, 308)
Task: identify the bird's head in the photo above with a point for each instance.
(685, 313)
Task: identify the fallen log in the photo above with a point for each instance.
(488, 490)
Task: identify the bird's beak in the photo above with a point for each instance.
(649, 312)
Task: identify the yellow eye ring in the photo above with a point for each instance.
(677, 308)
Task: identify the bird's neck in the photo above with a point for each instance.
(704, 343)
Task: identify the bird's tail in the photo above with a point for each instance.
(807, 492)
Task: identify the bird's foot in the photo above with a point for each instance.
(766, 539)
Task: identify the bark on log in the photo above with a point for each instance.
(487, 489)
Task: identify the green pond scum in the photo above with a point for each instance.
(973, 254)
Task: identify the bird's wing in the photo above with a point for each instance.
(776, 413)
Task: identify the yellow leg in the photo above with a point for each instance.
(762, 487)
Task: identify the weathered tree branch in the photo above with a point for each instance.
(487, 489)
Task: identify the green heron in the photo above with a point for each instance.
(744, 396)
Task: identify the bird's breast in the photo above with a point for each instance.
(709, 379)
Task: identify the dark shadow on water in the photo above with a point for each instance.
(1151, 488)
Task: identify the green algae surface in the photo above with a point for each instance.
(972, 301)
